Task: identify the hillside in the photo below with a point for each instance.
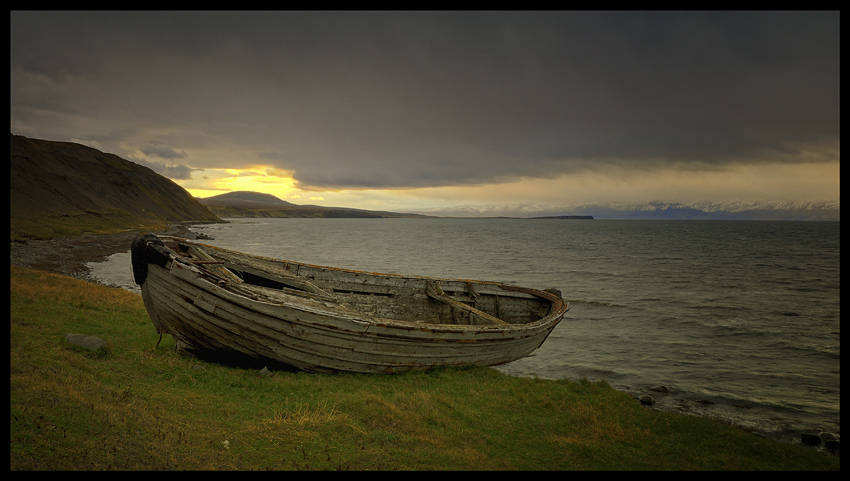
(255, 204)
(244, 199)
(63, 188)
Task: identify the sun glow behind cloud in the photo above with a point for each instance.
(747, 183)
(257, 178)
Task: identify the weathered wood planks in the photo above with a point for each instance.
(232, 305)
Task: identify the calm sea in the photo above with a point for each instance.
(737, 320)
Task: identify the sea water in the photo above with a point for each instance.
(737, 320)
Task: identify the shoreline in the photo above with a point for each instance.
(70, 256)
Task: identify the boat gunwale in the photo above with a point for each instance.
(352, 341)
(354, 317)
(557, 311)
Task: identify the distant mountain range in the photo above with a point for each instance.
(256, 204)
(64, 188)
(721, 211)
(829, 211)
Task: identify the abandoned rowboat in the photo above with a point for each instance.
(224, 306)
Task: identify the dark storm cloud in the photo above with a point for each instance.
(366, 99)
(162, 151)
(175, 172)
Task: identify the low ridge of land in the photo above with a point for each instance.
(255, 204)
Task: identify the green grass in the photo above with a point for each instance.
(142, 407)
(37, 225)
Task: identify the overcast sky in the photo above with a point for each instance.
(420, 110)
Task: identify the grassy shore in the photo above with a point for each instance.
(37, 225)
(139, 406)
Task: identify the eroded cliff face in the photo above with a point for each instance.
(65, 188)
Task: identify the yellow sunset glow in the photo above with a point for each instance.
(257, 178)
(764, 182)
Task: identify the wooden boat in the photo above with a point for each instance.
(234, 308)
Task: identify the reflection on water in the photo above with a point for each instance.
(115, 271)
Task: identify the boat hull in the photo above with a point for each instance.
(218, 322)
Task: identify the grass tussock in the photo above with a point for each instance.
(142, 407)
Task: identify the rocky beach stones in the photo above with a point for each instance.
(831, 441)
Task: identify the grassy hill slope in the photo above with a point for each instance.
(63, 188)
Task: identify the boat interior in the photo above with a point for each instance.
(385, 296)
